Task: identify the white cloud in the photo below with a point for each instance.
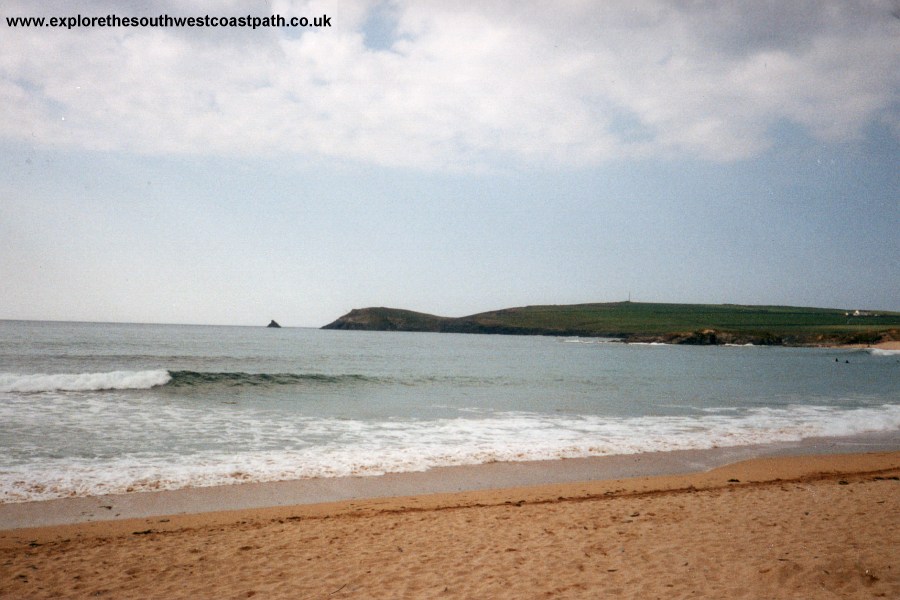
(463, 86)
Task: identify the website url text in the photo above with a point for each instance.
(73, 22)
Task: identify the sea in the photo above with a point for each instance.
(91, 409)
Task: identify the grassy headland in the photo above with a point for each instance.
(642, 322)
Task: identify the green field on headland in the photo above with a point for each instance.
(641, 321)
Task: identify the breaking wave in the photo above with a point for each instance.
(82, 382)
(144, 380)
(233, 379)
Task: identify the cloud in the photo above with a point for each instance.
(456, 85)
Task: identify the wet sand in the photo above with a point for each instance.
(816, 526)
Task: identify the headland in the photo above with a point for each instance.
(699, 324)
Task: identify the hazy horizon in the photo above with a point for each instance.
(264, 322)
(449, 158)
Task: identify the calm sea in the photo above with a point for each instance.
(91, 408)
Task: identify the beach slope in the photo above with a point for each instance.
(786, 527)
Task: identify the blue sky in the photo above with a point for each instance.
(448, 157)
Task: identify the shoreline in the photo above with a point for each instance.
(890, 345)
(442, 480)
(775, 526)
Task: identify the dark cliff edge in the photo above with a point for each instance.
(648, 323)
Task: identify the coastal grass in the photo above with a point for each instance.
(656, 318)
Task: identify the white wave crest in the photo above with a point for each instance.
(80, 382)
(590, 340)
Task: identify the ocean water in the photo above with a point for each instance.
(89, 409)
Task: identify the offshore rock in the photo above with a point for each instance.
(272, 323)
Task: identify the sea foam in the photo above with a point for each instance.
(361, 448)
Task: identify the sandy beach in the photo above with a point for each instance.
(890, 345)
(823, 526)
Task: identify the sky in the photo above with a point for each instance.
(447, 157)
